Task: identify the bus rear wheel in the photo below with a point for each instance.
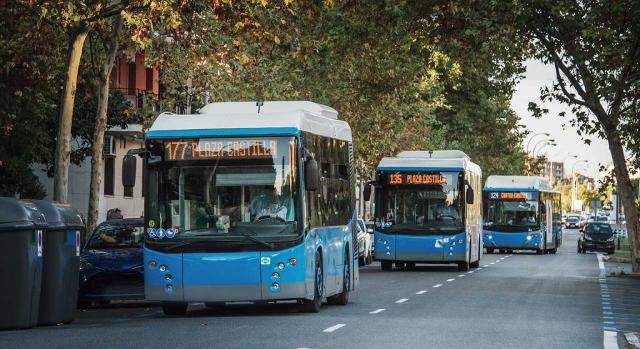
(174, 308)
(343, 297)
(463, 266)
(386, 265)
(489, 250)
(313, 306)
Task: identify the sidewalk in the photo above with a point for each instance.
(624, 291)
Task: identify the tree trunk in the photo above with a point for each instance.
(627, 195)
(63, 143)
(101, 125)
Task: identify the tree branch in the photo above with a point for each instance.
(570, 96)
(629, 62)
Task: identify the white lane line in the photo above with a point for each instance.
(334, 327)
(436, 286)
(478, 268)
(610, 340)
(601, 265)
(470, 272)
(503, 258)
(497, 261)
(485, 266)
(461, 275)
(402, 300)
(377, 311)
(449, 280)
(421, 292)
(492, 263)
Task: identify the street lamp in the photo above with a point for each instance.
(534, 136)
(574, 191)
(540, 149)
(544, 142)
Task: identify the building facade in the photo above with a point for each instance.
(554, 171)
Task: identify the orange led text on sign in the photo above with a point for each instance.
(193, 150)
(513, 195)
(398, 178)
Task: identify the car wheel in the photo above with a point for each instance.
(174, 308)
(83, 303)
(343, 297)
(386, 265)
(553, 250)
(313, 306)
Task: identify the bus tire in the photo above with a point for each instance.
(463, 266)
(313, 306)
(343, 297)
(174, 308)
(489, 250)
(386, 265)
(410, 265)
(540, 251)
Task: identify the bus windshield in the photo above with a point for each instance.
(432, 206)
(236, 191)
(512, 215)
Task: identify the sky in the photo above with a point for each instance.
(566, 136)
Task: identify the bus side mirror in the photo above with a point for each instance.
(311, 175)
(129, 171)
(469, 196)
(366, 193)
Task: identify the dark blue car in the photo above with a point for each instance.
(111, 265)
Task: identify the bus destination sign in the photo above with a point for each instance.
(509, 195)
(206, 149)
(417, 179)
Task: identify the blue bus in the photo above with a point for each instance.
(521, 213)
(427, 209)
(249, 202)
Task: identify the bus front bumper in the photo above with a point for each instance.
(512, 240)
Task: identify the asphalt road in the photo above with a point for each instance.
(513, 300)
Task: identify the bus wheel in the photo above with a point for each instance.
(410, 265)
(489, 250)
(313, 306)
(343, 297)
(386, 265)
(463, 266)
(174, 308)
(540, 251)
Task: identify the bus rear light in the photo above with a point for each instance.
(275, 286)
(152, 264)
(293, 261)
(528, 237)
(163, 268)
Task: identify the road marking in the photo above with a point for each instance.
(461, 275)
(470, 272)
(402, 300)
(334, 327)
(485, 266)
(478, 268)
(436, 286)
(610, 340)
(503, 257)
(449, 280)
(377, 311)
(492, 263)
(421, 292)
(498, 261)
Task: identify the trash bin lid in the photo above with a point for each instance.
(59, 215)
(19, 214)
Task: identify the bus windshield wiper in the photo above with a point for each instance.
(256, 240)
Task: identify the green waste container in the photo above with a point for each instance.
(22, 227)
(61, 264)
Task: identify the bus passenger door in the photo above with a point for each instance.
(549, 233)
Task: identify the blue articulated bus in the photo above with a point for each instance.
(249, 202)
(428, 209)
(521, 213)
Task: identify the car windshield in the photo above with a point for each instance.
(117, 235)
(236, 189)
(572, 219)
(599, 229)
(423, 208)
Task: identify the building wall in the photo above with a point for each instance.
(80, 178)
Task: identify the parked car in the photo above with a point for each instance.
(111, 263)
(596, 237)
(573, 222)
(365, 243)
